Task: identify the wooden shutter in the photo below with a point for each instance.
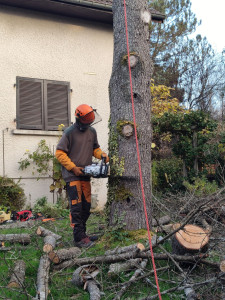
(57, 104)
(29, 103)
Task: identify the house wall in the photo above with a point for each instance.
(39, 45)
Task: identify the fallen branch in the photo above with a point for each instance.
(117, 268)
(126, 249)
(127, 256)
(137, 273)
(42, 278)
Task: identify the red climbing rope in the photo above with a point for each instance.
(138, 156)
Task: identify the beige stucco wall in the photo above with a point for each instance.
(39, 45)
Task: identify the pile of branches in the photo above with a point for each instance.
(136, 260)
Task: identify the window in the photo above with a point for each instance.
(42, 104)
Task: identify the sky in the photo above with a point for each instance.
(212, 14)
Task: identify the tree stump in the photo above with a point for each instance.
(189, 240)
(18, 275)
(64, 254)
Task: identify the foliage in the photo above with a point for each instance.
(163, 102)
(184, 128)
(48, 210)
(166, 174)
(201, 186)
(11, 194)
(167, 41)
(44, 163)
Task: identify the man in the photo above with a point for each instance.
(74, 151)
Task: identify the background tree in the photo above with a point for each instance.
(190, 66)
(124, 196)
(167, 41)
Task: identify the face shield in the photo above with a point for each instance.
(88, 119)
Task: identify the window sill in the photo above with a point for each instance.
(35, 132)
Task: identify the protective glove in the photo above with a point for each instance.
(104, 155)
(77, 171)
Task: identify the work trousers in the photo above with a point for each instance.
(79, 193)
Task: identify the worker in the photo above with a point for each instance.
(74, 151)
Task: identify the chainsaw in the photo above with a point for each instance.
(97, 170)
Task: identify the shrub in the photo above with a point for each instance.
(11, 194)
(167, 174)
(49, 210)
(201, 186)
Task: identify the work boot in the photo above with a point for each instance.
(84, 243)
(93, 238)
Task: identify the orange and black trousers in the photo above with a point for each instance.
(79, 194)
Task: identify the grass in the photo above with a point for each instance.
(59, 283)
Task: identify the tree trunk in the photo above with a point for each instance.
(125, 195)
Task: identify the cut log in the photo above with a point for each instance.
(42, 278)
(126, 249)
(64, 254)
(19, 224)
(18, 275)
(41, 231)
(191, 239)
(22, 238)
(49, 243)
(161, 221)
(117, 268)
(92, 287)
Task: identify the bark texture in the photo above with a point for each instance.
(22, 238)
(64, 254)
(125, 196)
(18, 275)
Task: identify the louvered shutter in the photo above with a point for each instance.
(29, 103)
(57, 106)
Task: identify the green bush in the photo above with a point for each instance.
(201, 186)
(49, 210)
(167, 174)
(11, 194)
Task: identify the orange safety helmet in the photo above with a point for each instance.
(85, 114)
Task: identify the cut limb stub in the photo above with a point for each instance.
(190, 239)
(128, 130)
(222, 266)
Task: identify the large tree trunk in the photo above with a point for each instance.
(125, 195)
